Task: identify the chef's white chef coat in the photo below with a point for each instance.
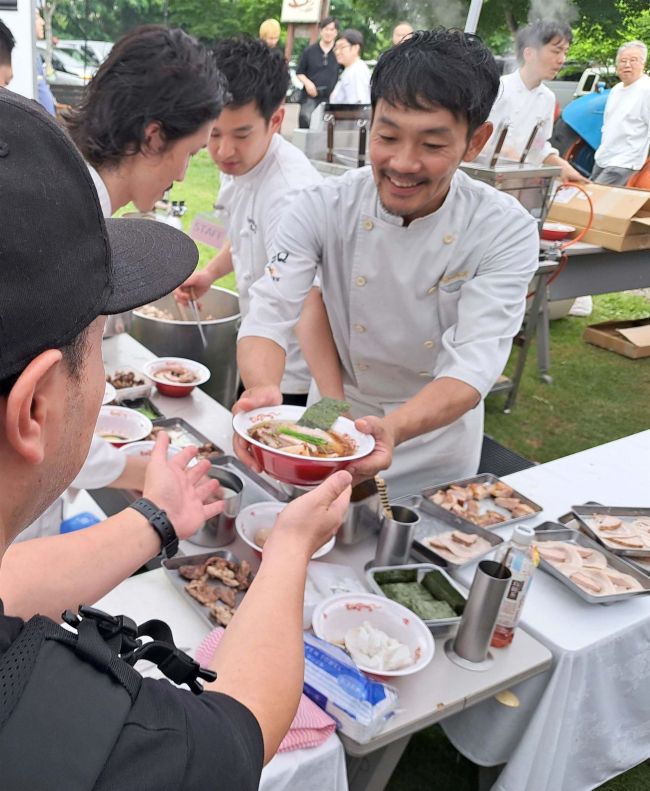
(251, 207)
(626, 126)
(441, 297)
(522, 108)
(353, 86)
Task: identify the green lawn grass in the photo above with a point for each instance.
(596, 396)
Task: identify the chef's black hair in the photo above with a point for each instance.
(540, 33)
(439, 68)
(255, 73)
(7, 43)
(153, 73)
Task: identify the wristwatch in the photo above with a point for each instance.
(161, 523)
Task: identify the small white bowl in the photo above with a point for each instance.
(130, 393)
(145, 447)
(334, 616)
(109, 394)
(175, 389)
(263, 515)
(118, 421)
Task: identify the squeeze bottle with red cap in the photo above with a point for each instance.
(521, 562)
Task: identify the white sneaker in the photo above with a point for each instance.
(583, 306)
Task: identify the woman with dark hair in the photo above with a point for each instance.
(353, 86)
(147, 110)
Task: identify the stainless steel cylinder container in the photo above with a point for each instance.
(220, 530)
(179, 337)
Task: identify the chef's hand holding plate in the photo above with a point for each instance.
(185, 493)
(382, 455)
(312, 519)
(254, 397)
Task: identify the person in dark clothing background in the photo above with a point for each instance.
(318, 70)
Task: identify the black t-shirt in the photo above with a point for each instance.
(321, 68)
(173, 740)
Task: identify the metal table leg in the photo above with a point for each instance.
(373, 771)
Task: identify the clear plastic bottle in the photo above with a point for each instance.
(521, 562)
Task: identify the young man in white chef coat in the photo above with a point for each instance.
(261, 174)
(424, 271)
(626, 125)
(525, 101)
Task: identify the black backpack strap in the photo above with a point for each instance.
(70, 713)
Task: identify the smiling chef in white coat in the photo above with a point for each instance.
(423, 270)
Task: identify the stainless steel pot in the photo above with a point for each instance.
(180, 338)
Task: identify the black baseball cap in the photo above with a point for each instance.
(61, 263)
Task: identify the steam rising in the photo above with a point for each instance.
(561, 10)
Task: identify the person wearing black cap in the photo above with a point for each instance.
(53, 299)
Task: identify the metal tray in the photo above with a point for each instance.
(171, 566)
(485, 505)
(181, 433)
(583, 512)
(552, 531)
(432, 522)
(256, 489)
(437, 626)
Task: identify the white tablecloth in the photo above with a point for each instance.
(592, 721)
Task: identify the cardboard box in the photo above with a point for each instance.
(629, 338)
(621, 219)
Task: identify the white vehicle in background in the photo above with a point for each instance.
(93, 51)
(67, 69)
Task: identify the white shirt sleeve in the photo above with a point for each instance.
(277, 297)
(354, 85)
(490, 308)
(103, 466)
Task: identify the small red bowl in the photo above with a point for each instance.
(170, 388)
(289, 468)
(556, 231)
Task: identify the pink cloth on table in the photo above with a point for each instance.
(310, 727)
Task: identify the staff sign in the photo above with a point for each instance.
(208, 229)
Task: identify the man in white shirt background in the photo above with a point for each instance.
(353, 86)
(626, 125)
(423, 270)
(524, 101)
(261, 174)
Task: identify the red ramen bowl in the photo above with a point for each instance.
(556, 231)
(159, 371)
(288, 467)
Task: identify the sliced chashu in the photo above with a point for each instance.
(594, 581)
(560, 553)
(623, 582)
(457, 546)
(605, 522)
(592, 558)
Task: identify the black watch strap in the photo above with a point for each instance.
(160, 522)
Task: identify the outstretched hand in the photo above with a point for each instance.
(187, 495)
(312, 519)
(382, 455)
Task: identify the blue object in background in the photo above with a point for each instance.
(78, 522)
(585, 116)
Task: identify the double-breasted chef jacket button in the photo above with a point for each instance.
(368, 225)
(360, 281)
(362, 366)
(432, 290)
(359, 328)
(428, 344)
(448, 238)
(425, 373)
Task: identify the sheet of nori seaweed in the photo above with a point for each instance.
(440, 588)
(323, 414)
(419, 600)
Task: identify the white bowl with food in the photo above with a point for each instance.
(176, 376)
(128, 383)
(255, 523)
(296, 454)
(119, 425)
(382, 637)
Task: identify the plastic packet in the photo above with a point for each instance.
(359, 706)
